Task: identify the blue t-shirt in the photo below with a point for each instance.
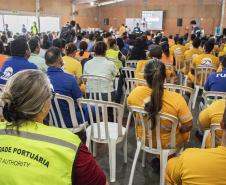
(64, 84)
(216, 82)
(13, 65)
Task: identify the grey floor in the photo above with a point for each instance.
(143, 176)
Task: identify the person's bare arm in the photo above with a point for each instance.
(186, 127)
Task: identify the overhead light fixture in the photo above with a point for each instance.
(92, 3)
(110, 2)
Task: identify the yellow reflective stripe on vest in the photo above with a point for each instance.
(38, 137)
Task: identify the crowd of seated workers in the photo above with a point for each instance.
(105, 54)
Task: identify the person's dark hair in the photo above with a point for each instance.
(155, 74)
(91, 37)
(193, 36)
(138, 52)
(176, 39)
(155, 51)
(193, 22)
(52, 55)
(2, 49)
(57, 43)
(100, 48)
(33, 44)
(45, 42)
(209, 45)
(63, 43)
(165, 48)
(120, 43)
(70, 48)
(18, 47)
(171, 37)
(79, 37)
(99, 39)
(157, 40)
(111, 42)
(83, 47)
(72, 23)
(108, 34)
(223, 61)
(4, 39)
(180, 40)
(165, 39)
(196, 43)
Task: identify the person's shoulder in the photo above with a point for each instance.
(31, 66)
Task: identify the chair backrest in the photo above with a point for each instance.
(94, 86)
(213, 128)
(129, 72)
(183, 90)
(202, 73)
(210, 96)
(101, 118)
(56, 112)
(187, 65)
(131, 63)
(131, 83)
(179, 60)
(140, 118)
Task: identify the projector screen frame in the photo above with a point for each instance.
(162, 23)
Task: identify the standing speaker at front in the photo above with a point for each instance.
(179, 22)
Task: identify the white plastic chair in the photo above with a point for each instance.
(201, 73)
(57, 111)
(210, 96)
(131, 63)
(131, 83)
(104, 131)
(129, 72)
(179, 64)
(182, 90)
(94, 86)
(187, 68)
(139, 115)
(212, 131)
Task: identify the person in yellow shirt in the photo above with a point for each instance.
(189, 44)
(205, 59)
(192, 53)
(154, 98)
(213, 114)
(199, 166)
(71, 65)
(155, 52)
(113, 53)
(179, 47)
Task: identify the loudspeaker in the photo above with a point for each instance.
(224, 31)
(106, 21)
(179, 22)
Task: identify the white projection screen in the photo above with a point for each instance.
(153, 20)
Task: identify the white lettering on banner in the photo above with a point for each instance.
(8, 72)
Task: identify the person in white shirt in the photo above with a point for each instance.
(100, 66)
(35, 58)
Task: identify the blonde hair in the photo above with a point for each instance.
(24, 96)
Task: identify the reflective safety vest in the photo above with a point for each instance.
(113, 54)
(34, 29)
(37, 154)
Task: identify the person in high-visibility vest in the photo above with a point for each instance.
(34, 28)
(34, 153)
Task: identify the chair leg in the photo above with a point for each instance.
(163, 162)
(124, 101)
(88, 142)
(125, 149)
(206, 133)
(134, 162)
(143, 158)
(185, 80)
(195, 96)
(94, 149)
(112, 159)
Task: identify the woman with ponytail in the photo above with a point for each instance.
(154, 98)
(82, 53)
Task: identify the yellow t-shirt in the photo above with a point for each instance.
(139, 72)
(177, 48)
(192, 53)
(211, 115)
(198, 167)
(206, 59)
(72, 66)
(173, 103)
(189, 45)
